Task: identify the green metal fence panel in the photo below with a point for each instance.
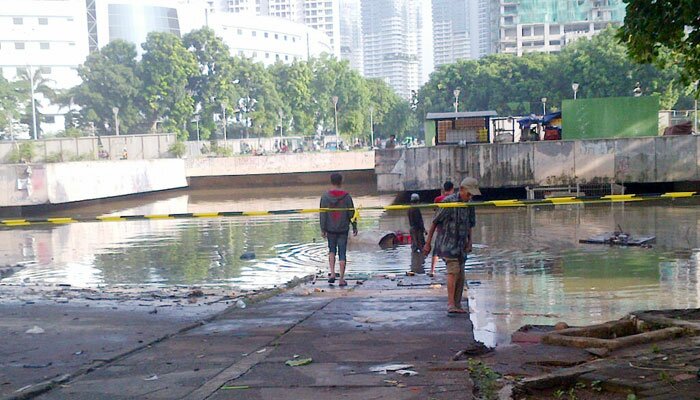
(610, 117)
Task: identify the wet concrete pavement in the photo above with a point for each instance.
(345, 331)
(128, 352)
(78, 335)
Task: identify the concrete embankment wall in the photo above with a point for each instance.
(41, 184)
(550, 163)
(138, 147)
(280, 164)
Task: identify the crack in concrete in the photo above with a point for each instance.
(242, 367)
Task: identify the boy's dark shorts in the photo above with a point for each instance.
(338, 244)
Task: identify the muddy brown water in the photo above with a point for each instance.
(527, 268)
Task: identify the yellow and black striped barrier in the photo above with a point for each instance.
(622, 198)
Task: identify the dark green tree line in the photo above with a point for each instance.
(515, 85)
(178, 81)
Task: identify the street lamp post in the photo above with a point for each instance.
(456, 93)
(31, 87)
(223, 111)
(544, 105)
(115, 111)
(335, 111)
(371, 125)
(637, 91)
(281, 115)
(695, 125)
(196, 121)
(574, 87)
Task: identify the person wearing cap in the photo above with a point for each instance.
(455, 241)
(415, 221)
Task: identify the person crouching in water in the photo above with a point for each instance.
(455, 241)
(336, 224)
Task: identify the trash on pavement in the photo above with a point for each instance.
(35, 330)
(235, 387)
(299, 362)
(151, 378)
(36, 366)
(382, 369)
(406, 372)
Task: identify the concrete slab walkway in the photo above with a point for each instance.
(241, 354)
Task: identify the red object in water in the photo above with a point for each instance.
(403, 238)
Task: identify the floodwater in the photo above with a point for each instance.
(527, 268)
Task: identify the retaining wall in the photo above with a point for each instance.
(38, 184)
(548, 163)
(280, 164)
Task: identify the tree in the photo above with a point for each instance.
(256, 83)
(650, 27)
(166, 69)
(214, 84)
(108, 80)
(515, 85)
(293, 83)
(42, 91)
(10, 98)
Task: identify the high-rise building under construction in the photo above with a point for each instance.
(548, 25)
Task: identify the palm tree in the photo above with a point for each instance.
(42, 86)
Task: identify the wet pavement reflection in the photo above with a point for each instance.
(527, 268)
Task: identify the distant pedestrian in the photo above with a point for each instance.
(391, 142)
(455, 242)
(415, 221)
(447, 189)
(417, 229)
(336, 224)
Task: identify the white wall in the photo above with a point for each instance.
(268, 39)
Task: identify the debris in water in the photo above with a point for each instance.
(151, 378)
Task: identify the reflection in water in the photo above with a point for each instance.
(528, 267)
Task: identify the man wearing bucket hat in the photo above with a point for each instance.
(455, 242)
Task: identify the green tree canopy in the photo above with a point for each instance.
(109, 80)
(214, 84)
(652, 28)
(166, 69)
(10, 98)
(514, 85)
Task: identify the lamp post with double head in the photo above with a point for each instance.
(371, 126)
(334, 99)
(456, 93)
(31, 88)
(544, 105)
(574, 87)
(115, 111)
(695, 125)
